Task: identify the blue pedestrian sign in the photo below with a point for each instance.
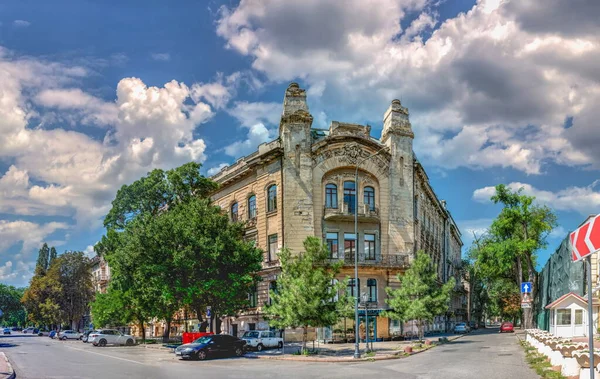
(526, 287)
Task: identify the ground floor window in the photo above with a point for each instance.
(563, 317)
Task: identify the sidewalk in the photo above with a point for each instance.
(6, 370)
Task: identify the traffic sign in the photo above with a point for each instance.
(585, 240)
(526, 287)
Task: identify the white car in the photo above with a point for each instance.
(69, 335)
(28, 330)
(261, 339)
(105, 337)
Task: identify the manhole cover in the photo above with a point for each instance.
(504, 355)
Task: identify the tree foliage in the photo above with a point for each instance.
(169, 248)
(507, 255)
(420, 296)
(13, 312)
(306, 291)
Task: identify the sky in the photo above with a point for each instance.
(95, 94)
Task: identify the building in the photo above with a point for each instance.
(303, 184)
(100, 274)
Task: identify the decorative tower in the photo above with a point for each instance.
(398, 136)
(296, 141)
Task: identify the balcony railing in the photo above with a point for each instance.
(365, 213)
(386, 260)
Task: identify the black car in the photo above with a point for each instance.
(212, 346)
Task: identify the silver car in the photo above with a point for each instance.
(105, 337)
(70, 335)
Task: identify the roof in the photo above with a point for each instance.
(564, 297)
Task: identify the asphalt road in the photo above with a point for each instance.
(482, 354)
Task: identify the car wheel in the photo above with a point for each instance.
(129, 342)
(81, 338)
(102, 342)
(64, 338)
(239, 351)
(260, 347)
(280, 344)
(201, 355)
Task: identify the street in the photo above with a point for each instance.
(482, 354)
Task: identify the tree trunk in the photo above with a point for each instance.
(304, 337)
(167, 331)
(185, 318)
(519, 282)
(217, 325)
(143, 330)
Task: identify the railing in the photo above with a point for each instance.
(364, 211)
(387, 260)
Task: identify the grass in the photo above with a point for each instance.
(540, 363)
(370, 354)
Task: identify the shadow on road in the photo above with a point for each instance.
(7, 345)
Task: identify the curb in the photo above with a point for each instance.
(397, 355)
(11, 373)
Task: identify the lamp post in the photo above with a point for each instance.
(356, 187)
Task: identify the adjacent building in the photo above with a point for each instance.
(100, 274)
(313, 182)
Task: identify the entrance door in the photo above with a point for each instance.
(234, 330)
(372, 328)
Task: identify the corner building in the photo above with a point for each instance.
(303, 184)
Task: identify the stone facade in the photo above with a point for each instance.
(303, 184)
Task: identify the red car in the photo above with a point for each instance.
(507, 327)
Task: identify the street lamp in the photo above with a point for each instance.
(356, 187)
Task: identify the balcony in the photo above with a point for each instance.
(387, 260)
(365, 213)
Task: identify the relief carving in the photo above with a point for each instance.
(351, 154)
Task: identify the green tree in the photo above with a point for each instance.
(77, 289)
(10, 303)
(306, 290)
(52, 256)
(42, 263)
(515, 236)
(420, 296)
(111, 309)
(42, 296)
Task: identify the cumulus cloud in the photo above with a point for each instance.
(215, 170)
(251, 113)
(90, 109)
(584, 200)
(487, 83)
(256, 135)
(219, 92)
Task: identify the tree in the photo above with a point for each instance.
(170, 248)
(77, 289)
(514, 237)
(305, 291)
(111, 309)
(41, 298)
(52, 256)
(13, 312)
(42, 263)
(420, 296)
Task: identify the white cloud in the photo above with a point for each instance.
(89, 251)
(584, 200)
(217, 93)
(256, 135)
(487, 83)
(215, 170)
(250, 114)
(21, 23)
(164, 57)
(92, 110)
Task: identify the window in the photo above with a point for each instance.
(350, 195)
(234, 212)
(334, 283)
(578, 316)
(370, 197)
(332, 244)
(252, 207)
(370, 246)
(351, 289)
(253, 297)
(251, 326)
(272, 288)
(272, 198)
(563, 317)
(372, 289)
(272, 247)
(331, 200)
(349, 245)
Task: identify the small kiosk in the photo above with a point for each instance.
(568, 316)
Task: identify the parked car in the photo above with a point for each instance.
(212, 346)
(42, 333)
(474, 325)
(52, 334)
(16, 329)
(507, 327)
(28, 330)
(105, 337)
(461, 328)
(35, 331)
(69, 335)
(261, 339)
(86, 335)
(6, 330)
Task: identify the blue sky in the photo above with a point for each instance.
(94, 94)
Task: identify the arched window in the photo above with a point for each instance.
(372, 289)
(272, 198)
(234, 212)
(370, 197)
(331, 200)
(350, 195)
(252, 207)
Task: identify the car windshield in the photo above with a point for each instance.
(250, 335)
(202, 340)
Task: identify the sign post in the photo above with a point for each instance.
(585, 241)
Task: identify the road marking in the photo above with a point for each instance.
(106, 355)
